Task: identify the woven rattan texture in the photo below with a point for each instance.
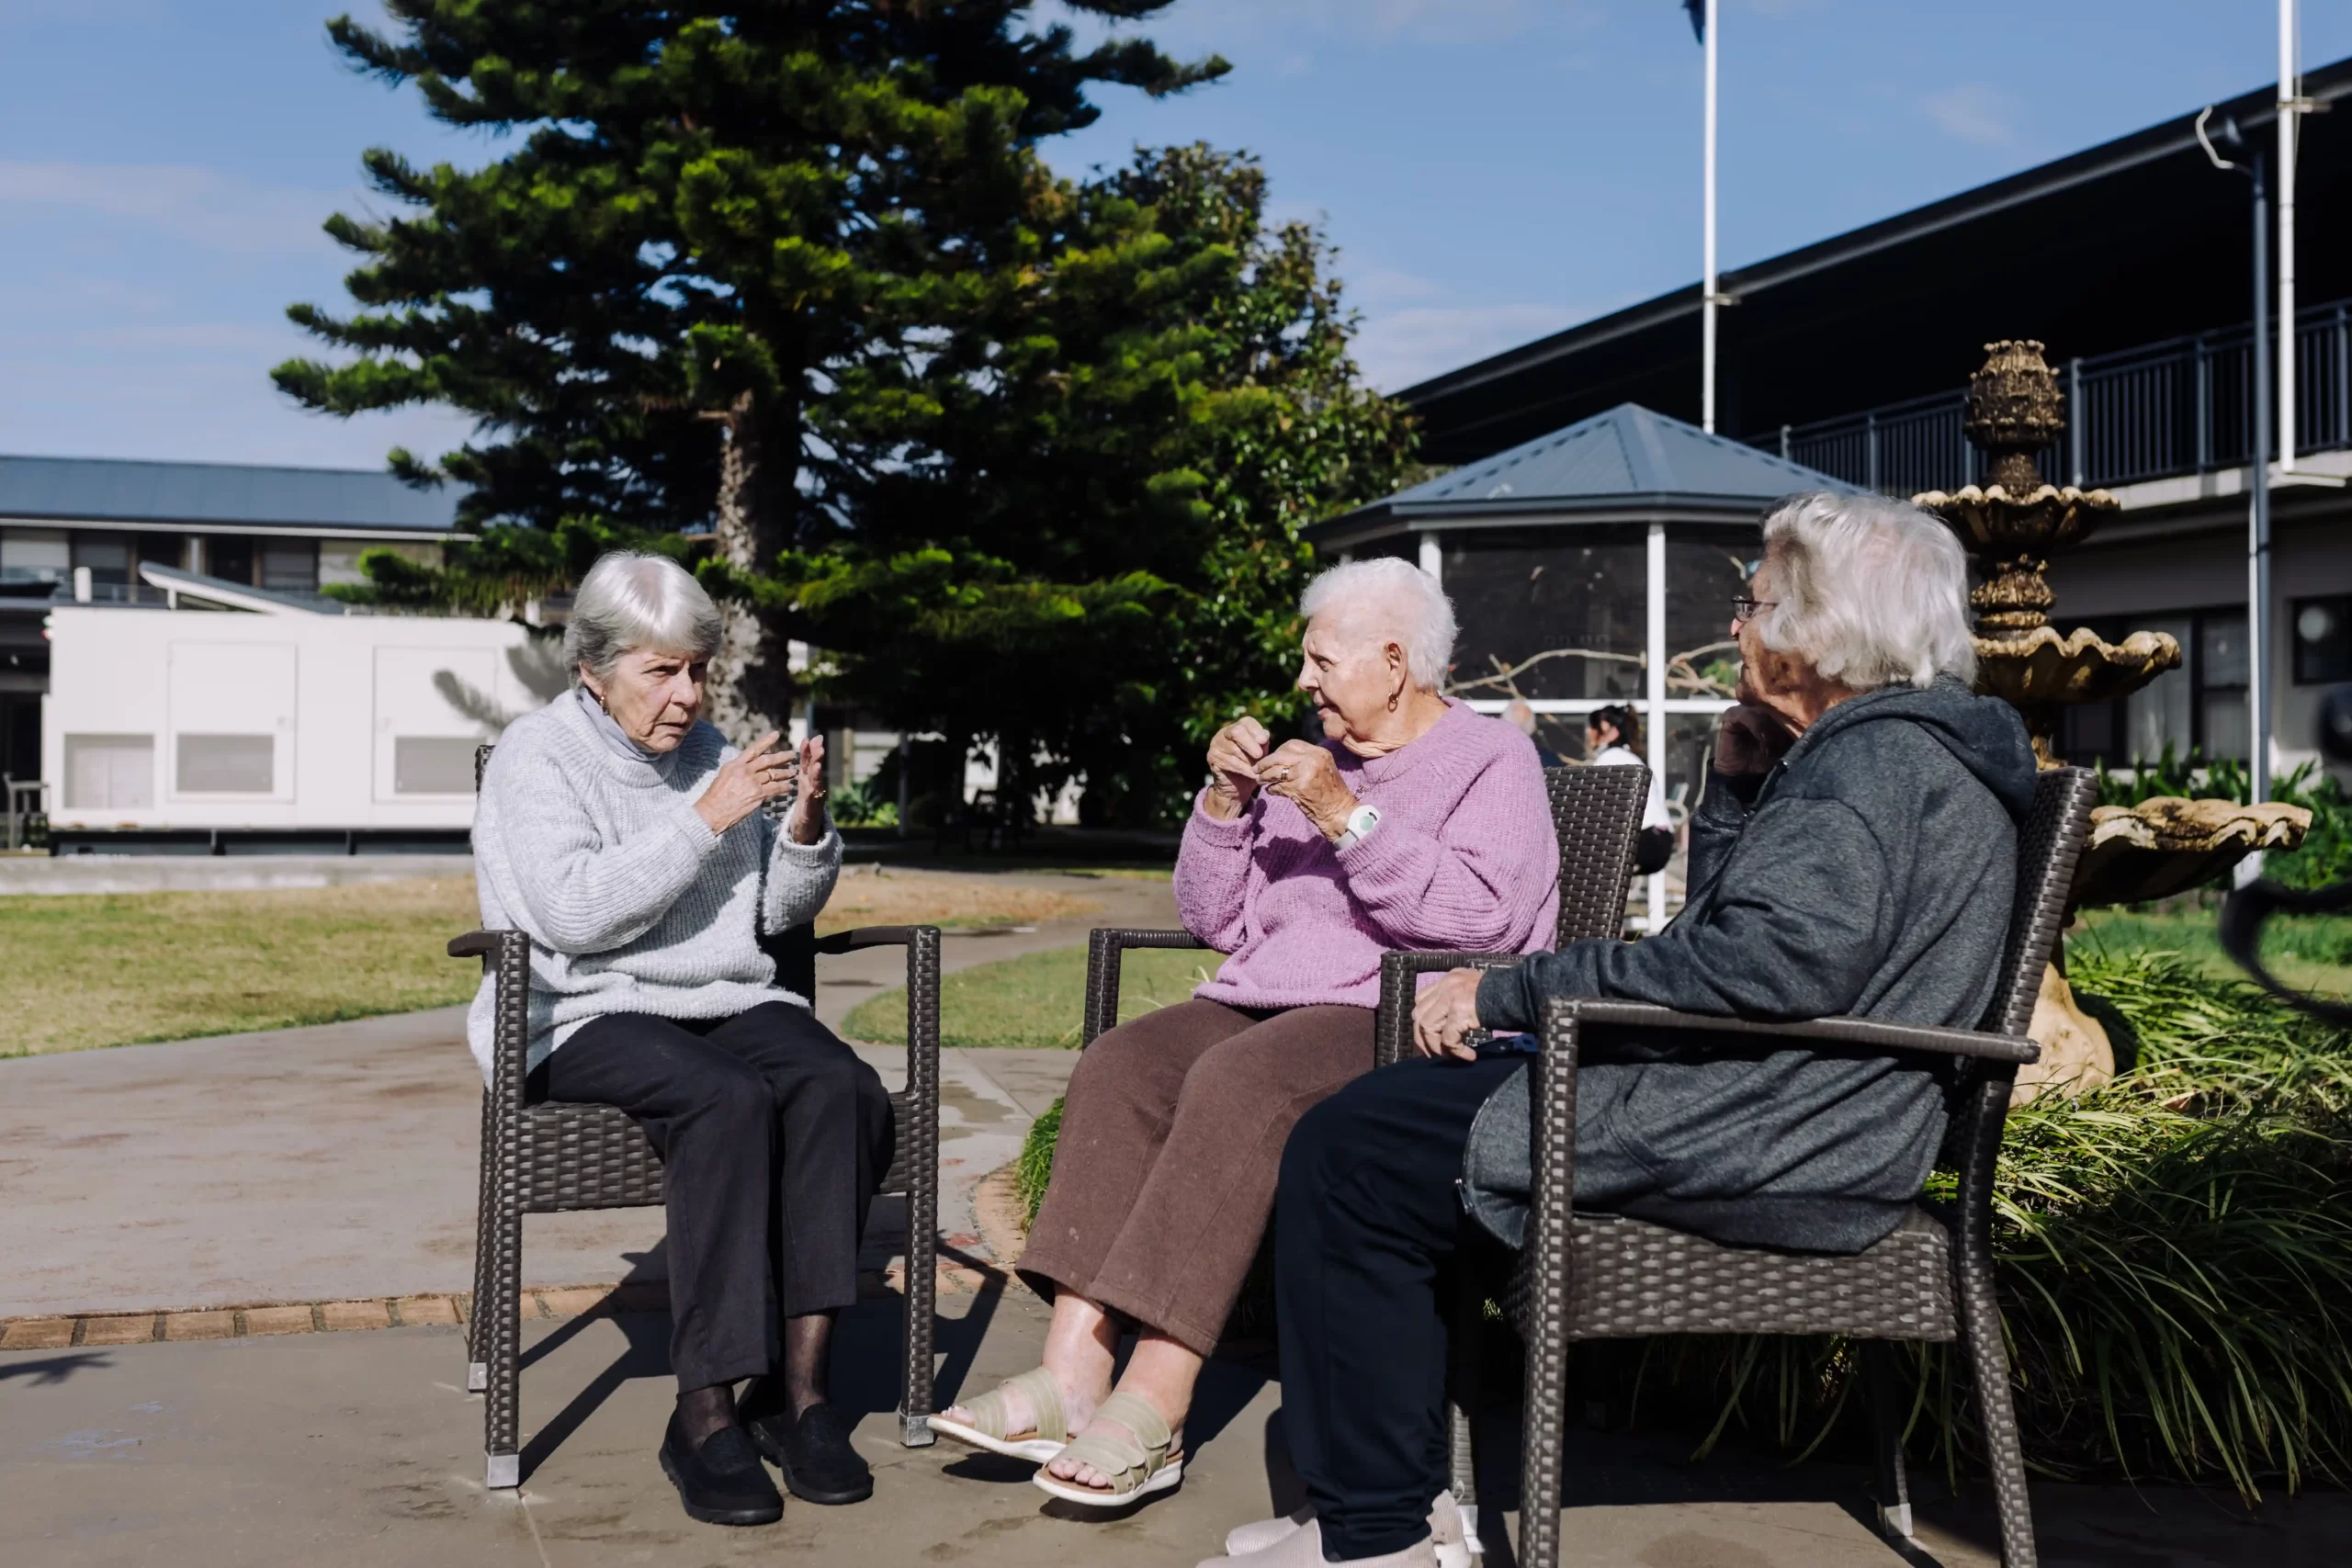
(1105, 948)
(1628, 1279)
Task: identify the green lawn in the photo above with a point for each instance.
(2313, 952)
(1037, 999)
(118, 969)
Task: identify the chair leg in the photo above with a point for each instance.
(922, 1187)
(1462, 1406)
(1893, 1486)
(498, 1312)
(477, 1352)
(1988, 1364)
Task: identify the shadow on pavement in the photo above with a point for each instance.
(53, 1369)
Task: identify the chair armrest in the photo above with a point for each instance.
(1858, 1034)
(1105, 948)
(859, 937)
(506, 957)
(1400, 973)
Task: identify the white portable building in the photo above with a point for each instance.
(277, 725)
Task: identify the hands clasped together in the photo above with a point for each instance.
(1245, 760)
(761, 772)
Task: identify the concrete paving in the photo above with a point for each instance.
(340, 1161)
(360, 1449)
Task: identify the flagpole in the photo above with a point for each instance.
(2290, 94)
(1707, 282)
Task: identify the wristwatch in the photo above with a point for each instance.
(1361, 822)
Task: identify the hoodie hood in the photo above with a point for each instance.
(1985, 733)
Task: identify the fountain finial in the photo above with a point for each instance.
(2015, 410)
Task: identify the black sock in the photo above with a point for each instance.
(705, 1411)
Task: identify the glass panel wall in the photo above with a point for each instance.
(1704, 568)
(1554, 612)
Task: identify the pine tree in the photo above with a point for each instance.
(1088, 545)
(690, 288)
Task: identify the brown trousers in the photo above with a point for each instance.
(1173, 1135)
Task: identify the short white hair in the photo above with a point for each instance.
(630, 600)
(1867, 591)
(1397, 601)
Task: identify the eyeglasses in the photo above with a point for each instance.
(1743, 608)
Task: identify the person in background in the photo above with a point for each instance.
(1855, 854)
(1612, 738)
(1521, 718)
(637, 850)
(1415, 823)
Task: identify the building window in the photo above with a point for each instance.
(1557, 614)
(35, 555)
(2197, 709)
(290, 566)
(433, 764)
(227, 764)
(2322, 641)
(109, 772)
(229, 558)
(107, 557)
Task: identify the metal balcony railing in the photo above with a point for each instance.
(2179, 407)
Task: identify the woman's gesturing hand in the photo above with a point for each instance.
(806, 821)
(1305, 773)
(1446, 1012)
(1234, 752)
(757, 774)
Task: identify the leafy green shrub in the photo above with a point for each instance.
(859, 805)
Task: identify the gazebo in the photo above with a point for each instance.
(1593, 566)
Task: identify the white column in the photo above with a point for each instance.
(1654, 719)
(1707, 264)
(2289, 91)
(1432, 558)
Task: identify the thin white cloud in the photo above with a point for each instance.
(1400, 348)
(1977, 113)
(198, 205)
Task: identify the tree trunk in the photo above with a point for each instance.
(751, 684)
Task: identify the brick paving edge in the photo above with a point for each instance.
(959, 1273)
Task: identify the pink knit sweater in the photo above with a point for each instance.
(1465, 857)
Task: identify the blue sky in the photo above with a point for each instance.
(1491, 169)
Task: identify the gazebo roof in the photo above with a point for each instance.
(1629, 464)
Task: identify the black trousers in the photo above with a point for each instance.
(1368, 1230)
(773, 1136)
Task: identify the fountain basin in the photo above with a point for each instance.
(2169, 845)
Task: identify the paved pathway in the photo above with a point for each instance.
(340, 1161)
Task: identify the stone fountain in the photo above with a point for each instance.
(2013, 526)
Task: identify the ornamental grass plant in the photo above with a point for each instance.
(2175, 1262)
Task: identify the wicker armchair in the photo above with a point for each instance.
(1595, 811)
(539, 1159)
(1597, 1276)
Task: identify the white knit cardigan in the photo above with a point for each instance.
(631, 902)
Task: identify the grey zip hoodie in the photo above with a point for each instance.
(1869, 873)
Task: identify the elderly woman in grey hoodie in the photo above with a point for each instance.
(1855, 854)
(638, 851)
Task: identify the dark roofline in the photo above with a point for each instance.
(2259, 108)
(192, 463)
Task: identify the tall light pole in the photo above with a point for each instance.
(1707, 300)
(2290, 108)
(2257, 473)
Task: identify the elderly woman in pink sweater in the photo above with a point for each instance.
(1414, 824)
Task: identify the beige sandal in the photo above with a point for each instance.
(1137, 1469)
(1046, 1436)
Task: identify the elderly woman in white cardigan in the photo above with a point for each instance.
(633, 844)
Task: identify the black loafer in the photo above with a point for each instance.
(815, 1455)
(722, 1483)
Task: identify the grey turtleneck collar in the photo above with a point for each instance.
(617, 739)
